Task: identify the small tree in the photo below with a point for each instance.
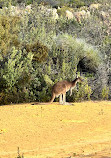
(15, 74)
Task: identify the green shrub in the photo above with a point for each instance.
(15, 67)
(48, 80)
(39, 51)
(74, 50)
(15, 76)
(77, 3)
(54, 54)
(4, 3)
(9, 30)
(62, 11)
(105, 92)
(62, 63)
(81, 92)
(37, 26)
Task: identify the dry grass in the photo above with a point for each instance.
(56, 131)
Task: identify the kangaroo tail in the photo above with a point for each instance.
(52, 98)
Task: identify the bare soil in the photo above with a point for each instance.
(81, 130)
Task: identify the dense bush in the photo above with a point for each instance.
(37, 51)
(9, 30)
(40, 52)
(62, 11)
(105, 93)
(77, 3)
(78, 49)
(62, 64)
(3, 3)
(6, 3)
(15, 76)
(82, 92)
(37, 26)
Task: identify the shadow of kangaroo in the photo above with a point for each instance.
(60, 89)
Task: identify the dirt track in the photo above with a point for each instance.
(82, 130)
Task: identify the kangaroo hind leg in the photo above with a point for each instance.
(61, 99)
(64, 100)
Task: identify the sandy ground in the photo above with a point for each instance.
(81, 130)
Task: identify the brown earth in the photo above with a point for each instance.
(81, 130)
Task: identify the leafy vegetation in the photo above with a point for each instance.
(39, 47)
(39, 51)
(9, 30)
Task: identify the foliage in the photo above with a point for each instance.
(37, 26)
(77, 3)
(105, 93)
(27, 2)
(38, 50)
(14, 67)
(6, 3)
(15, 74)
(9, 29)
(53, 2)
(3, 3)
(82, 92)
(62, 11)
(78, 49)
(48, 80)
(62, 65)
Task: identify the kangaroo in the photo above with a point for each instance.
(60, 89)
